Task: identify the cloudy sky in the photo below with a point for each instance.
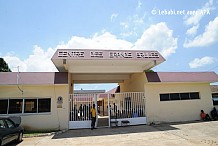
(185, 32)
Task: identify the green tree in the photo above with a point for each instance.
(4, 66)
(149, 70)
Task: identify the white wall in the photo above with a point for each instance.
(177, 110)
(134, 84)
(57, 119)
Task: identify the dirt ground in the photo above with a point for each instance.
(176, 134)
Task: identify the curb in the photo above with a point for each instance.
(46, 134)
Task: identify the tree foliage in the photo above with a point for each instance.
(4, 66)
(149, 70)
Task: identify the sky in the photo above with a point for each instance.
(185, 32)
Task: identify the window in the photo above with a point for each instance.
(44, 105)
(215, 100)
(15, 106)
(2, 124)
(19, 106)
(164, 97)
(10, 124)
(4, 106)
(179, 96)
(184, 96)
(174, 96)
(194, 95)
(30, 105)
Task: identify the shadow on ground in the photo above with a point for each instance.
(113, 131)
(120, 130)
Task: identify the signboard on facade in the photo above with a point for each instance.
(106, 54)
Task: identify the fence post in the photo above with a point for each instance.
(109, 115)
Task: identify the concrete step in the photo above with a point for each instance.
(102, 122)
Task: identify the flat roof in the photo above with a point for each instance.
(208, 77)
(33, 78)
(88, 91)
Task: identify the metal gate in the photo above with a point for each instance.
(127, 106)
(80, 105)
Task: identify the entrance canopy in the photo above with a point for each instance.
(105, 61)
(104, 66)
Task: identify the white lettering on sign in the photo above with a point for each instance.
(147, 55)
(96, 54)
(120, 55)
(71, 54)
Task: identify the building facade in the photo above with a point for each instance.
(46, 101)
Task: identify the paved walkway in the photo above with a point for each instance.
(177, 134)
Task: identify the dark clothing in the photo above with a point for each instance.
(207, 118)
(80, 111)
(214, 114)
(93, 122)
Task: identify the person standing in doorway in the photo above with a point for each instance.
(93, 117)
